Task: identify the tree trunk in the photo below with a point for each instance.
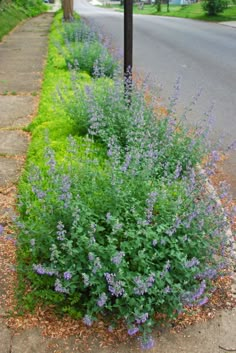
(68, 6)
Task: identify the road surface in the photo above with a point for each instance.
(202, 54)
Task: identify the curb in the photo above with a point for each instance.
(228, 231)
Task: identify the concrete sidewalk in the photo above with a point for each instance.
(229, 24)
(22, 58)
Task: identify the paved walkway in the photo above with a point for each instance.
(22, 56)
(229, 23)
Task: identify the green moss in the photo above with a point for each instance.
(52, 125)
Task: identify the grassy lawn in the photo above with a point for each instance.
(11, 15)
(193, 11)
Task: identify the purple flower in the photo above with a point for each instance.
(102, 300)
(171, 231)
(177, 222)
(141, 286)
(67, 275)
(87, 320)
(190, 297)
(59, 288)
(117, 226)
(50, 155)
(151, 200)
(132, 331)
(118, 258)
(167, 290)
(202, 301)
(1, 229)
(151, 280)
(142, 318)
(93, 227)
(147, 343)
(175, 97)
(115, 287)
(208, 273)
(86, 279)
(65, 194)
(40, 270)
(61, 232)
(91, 256)
(97, 265)
(192, 263)
(178, 171)
(125, 166)
(154, 242)
(166, 269)
(200, 291)
(215, 156)
(39, 193)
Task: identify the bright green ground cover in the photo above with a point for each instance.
(193, 11)
(114, 220)
(11, 13)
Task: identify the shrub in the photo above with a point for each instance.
(84, 51)
(214, 7)
(91, 57)
(117, 240)
(78, 31)
(101, 111)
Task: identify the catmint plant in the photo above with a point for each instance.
(123, 223)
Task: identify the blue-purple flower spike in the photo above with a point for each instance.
(1, 229)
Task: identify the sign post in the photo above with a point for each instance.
(128, 47)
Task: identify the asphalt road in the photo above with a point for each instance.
(202, 54)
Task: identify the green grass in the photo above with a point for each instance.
(193, 11)
(11, 15)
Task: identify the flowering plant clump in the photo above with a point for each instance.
(85, 50)
(163, 145)
(78, 31)
(122, 225)
(124, 242)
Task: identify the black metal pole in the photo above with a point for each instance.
(128, 47)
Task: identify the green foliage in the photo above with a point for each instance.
(11, 13)
(193, 11)
(84, 50)
(101, 110)
(214, 7)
